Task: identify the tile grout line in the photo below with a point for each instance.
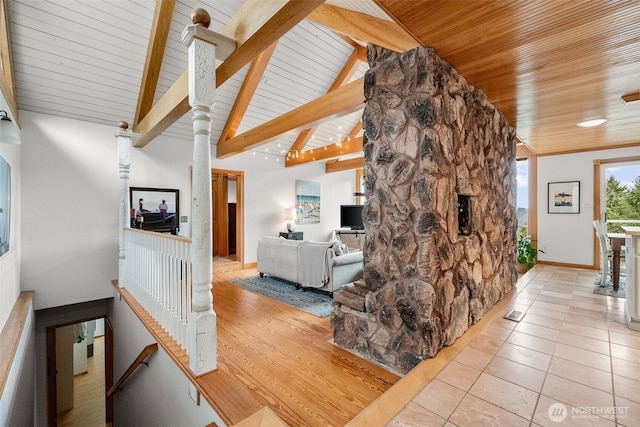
(613, 383)
(534, 288)
(468, 392)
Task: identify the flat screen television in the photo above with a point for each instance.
(351, 217)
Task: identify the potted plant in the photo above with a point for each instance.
(526, 253)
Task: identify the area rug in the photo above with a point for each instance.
(311, 300)
(607, 289)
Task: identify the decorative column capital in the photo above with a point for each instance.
(200, 30)
(224, 45)
(123, 132)
(205, 46)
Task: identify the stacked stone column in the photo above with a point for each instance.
(429, 137)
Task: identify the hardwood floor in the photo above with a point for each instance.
(287, 357)
(88, 393)
(272, 355)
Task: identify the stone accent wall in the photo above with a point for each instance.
(429, 136)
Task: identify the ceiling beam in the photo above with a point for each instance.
(349, 68)
(7, 83)
(337, 103)
(248, 88)
(361, 49)
(252, 15)
(252, 36)
(327, 152)
(155, 53)
(363, 27)
(343, 165)
(355, 130)
(293, 158)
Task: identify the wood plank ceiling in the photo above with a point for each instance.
(546, 64)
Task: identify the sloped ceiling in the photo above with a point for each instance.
(546, 64)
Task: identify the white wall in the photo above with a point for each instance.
(568, 238)
(69, 209)
(10, 261)
(70, 201)
(270, 188)
(157, 395)
(17, 398)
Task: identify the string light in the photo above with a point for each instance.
(280, 150)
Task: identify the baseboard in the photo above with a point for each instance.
(226, 267)
(569, 265)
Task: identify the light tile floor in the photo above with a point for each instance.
(571, 361)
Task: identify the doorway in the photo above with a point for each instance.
(609, 178)
(227, 188)
(522, 199)
(79, 371)
(527, 190)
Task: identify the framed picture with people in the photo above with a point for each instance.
(155, 209)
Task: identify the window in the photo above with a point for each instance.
(522, 199)
(622, 194)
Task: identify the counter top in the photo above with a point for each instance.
(632, 231)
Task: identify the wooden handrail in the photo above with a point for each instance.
(140, 359)
(159, 235)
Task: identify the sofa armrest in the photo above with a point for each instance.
(344, 269)
(349, 258)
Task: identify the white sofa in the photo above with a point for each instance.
(308, 264)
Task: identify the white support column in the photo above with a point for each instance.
(202, 42)
(125, 141)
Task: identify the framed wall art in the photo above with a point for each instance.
(563, 197)
(155, 209)
(307, 202)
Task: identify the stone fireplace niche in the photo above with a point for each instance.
(464, 215)
(429, 137)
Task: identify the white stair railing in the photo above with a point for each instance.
(157, 272)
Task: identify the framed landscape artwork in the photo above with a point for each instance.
(563, 197)
(307, 202)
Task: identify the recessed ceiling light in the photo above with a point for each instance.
(592, 123)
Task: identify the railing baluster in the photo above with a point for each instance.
(157, 273)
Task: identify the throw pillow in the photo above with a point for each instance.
(337, 248)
